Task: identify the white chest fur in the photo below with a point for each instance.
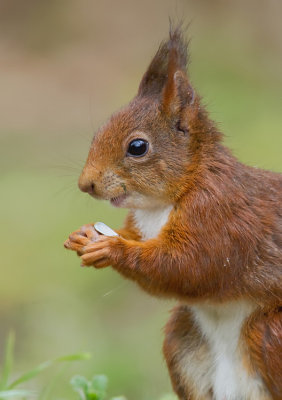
(150, 221)
(221, 326)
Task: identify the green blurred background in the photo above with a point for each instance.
(65, 67)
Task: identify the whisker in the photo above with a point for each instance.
(66, 189)
(115, 289)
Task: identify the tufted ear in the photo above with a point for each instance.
(155, 77)
(166, 75)
(177, 93)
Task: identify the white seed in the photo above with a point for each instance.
(104, 229)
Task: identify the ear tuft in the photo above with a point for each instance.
(177, 92)
(171, 56)
(178, 46)
(155, 76)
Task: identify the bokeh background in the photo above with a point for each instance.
(65, 66)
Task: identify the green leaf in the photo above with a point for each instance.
(93, 396)
(80, 385)
(74, 357)
(79, 382)
(5, 394)
(118, 398)
(8, 360)
(41, 367)
(100, 383)
(97, 387)
(30, 374)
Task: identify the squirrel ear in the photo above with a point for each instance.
(154, 78)
(177, 94)
(170, 57)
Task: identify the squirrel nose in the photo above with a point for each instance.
(87, 187)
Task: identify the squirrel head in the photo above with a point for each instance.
(149, 152)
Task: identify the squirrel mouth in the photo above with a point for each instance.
(118, 200)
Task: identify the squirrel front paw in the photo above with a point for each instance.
(94, 249)
(81, 238)
(102, 253)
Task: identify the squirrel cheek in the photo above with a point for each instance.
(162, 166)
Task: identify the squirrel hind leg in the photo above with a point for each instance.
(187, 357)
(263, 335)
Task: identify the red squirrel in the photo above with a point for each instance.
(203, 229)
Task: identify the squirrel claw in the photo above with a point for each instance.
(67, 244)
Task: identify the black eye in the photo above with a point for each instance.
(137, 148)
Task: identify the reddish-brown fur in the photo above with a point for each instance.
(182, 333)
(223, 239)
(263, 333)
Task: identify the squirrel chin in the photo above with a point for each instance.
(118, 201)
